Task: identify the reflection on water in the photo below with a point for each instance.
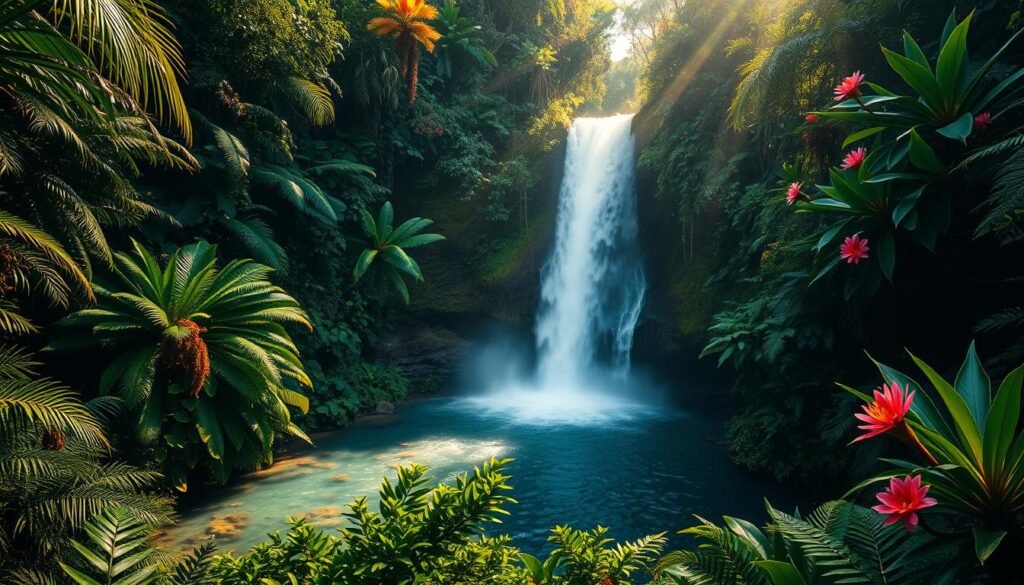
(637, 476)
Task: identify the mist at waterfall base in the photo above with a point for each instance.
(592, 291)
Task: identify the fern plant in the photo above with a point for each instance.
(53, 469)
(117, 553)
(840, 542)
(580, 556)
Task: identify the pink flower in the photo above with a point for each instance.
(982, 120)
(811, 118)
(850, 87)
(854, 249)
(902, 501)
(855, 158)
(886, 412)
(793, 194)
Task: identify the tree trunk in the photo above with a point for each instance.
(402, 48)
(413, 78)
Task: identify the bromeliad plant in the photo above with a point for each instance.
(970, 441)
(384, 256)
(203, 358)
(886, 187)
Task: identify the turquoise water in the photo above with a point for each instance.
(639, 474)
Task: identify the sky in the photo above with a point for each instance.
(619, 41)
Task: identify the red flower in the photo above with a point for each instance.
(811, 118)
(982, 120)
(850, 87)
(855, 158)
(886, 412)
(854, 249)
(902, 501)
(793, 194)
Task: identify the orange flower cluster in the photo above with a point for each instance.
(192, 357)
(52, 439)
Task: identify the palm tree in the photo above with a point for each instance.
(406, 23)
(52, 474)
(71, 141)
(203, 360)
(459, 33)
(33, 263)
(132, 43)
(384, 256)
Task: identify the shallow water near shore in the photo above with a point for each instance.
(638, 475)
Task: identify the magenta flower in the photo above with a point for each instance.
(855, 158)
(902, 501)
(850, 87)
(982, 120)
(793, 194)
(886, 412)
(854, 249)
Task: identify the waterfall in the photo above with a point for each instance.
(592, 287)
(592, 292)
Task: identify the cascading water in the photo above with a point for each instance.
(592, 290)
(593, 286)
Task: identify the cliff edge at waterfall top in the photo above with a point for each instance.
(592, 293)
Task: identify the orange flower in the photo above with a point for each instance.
(886, 412)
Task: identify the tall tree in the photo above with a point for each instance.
(406, 22)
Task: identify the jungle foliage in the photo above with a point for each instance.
(936, 115)
(185, 187)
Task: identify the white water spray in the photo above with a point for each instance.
(592, 287)
(592, 290)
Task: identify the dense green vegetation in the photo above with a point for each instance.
(211, 210)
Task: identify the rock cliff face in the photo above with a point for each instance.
(484, 272)
(429, 357)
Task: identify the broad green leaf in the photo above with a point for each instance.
(861, 135)
(960, 129)
(963, 421)
(905, 206)
(918, 77)
(951, 67)
(974, 385)
(363, 263)
(887, 254)
(923, 156)
(749, 533)
(986, 543)
(826, 268)
(208, 426)
(420, 240)
(830, 235)
(913, 51)
(1003, 417)
(781, 573)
